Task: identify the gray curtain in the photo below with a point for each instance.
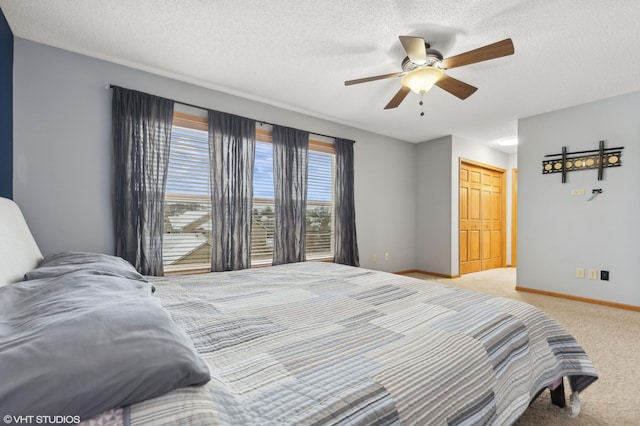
(141, 140)
(346, 245)
(232, 143)
(290, 159)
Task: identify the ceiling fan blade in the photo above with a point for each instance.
(415, 48)
(398, 98)
(377, 77)
(491, 51)
(456, 87)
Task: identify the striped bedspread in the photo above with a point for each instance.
(321, 343)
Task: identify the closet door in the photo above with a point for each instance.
(492, 219)
(470, 218)
(482, 218)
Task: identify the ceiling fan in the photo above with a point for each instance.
(423, 68)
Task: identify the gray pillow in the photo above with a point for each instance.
(81, 344)
(70, 261)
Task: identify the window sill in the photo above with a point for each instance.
(201, 269)
(186, 270)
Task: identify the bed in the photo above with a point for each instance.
(306, 343)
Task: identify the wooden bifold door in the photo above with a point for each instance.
(482, 217)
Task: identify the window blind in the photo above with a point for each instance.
(320, 206)
(320, 203)
(187, 224)
(263, 205)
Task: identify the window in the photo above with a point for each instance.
(320, 204)
(263, 202)
(187, 210)
(187, 223)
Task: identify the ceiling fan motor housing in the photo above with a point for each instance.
(434, 58)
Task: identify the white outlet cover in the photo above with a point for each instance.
(577, 191)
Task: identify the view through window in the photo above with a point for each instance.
(187, 211)
(187, 225)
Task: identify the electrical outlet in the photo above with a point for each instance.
(386, 256)
(604, 275)
(593, 274)
(374, 258)
(579, 272)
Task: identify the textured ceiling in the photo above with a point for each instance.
(296, 54)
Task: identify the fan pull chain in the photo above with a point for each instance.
(421, 104)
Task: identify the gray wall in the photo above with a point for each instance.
(433, 228)
(558, 232)
(62, 154)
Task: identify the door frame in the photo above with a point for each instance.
(503, 206)
(514, 216)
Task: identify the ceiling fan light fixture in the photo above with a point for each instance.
(421, 80)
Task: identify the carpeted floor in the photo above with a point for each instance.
(610, 336)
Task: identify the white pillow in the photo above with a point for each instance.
(19, 252)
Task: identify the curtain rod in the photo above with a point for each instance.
(111, 86)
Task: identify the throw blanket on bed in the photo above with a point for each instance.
(319, 343)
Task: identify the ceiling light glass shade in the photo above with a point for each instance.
(421, 80)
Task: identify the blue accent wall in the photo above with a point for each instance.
(6, 108)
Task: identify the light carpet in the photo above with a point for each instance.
(610, 336)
